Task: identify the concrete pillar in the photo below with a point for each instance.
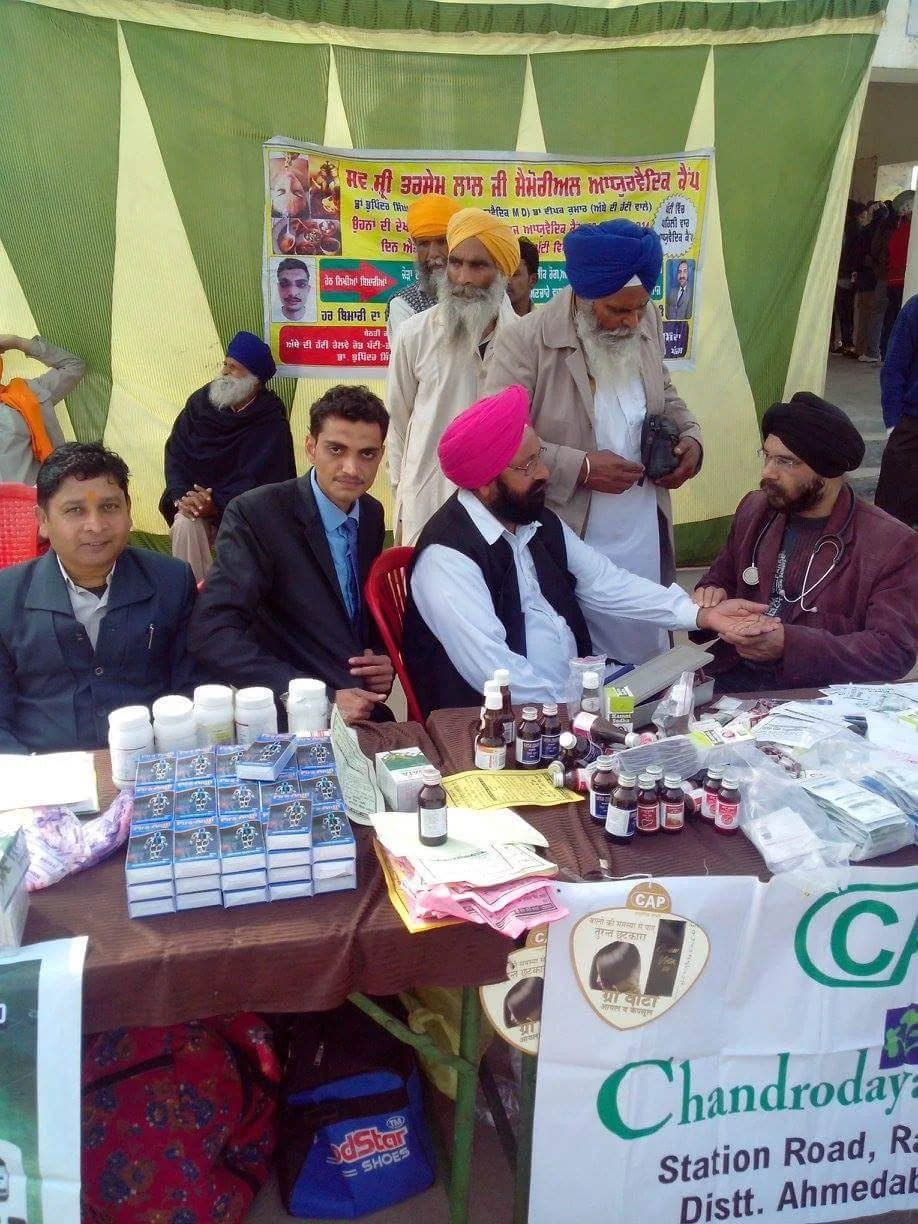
(911, 264)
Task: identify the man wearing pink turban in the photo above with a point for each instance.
(497, 580)
(592, 359)
(440, 360)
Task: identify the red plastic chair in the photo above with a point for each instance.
(386, 593)
(18, 526)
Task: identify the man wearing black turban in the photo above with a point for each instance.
(839, 574)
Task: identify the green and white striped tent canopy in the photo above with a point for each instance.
(130, 163)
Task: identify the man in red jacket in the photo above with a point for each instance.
(839, 574)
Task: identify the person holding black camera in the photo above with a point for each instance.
(617, 435)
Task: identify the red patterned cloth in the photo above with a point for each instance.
(179, 1123)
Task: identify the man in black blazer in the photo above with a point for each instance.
(93, 624)
(284, 596)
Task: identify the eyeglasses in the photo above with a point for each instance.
(528, 468)
(780, 461)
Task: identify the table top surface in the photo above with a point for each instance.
(307, 955)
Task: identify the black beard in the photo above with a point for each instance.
(805, 500)
(517, 508)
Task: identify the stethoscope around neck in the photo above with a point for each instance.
(834, 540)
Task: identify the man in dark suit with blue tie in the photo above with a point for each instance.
(284, 596)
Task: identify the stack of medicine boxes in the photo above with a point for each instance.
(214, 825)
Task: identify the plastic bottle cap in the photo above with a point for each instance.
(672, 780)
(632, 740)
(493, 701)
(605, 762)
(655, 771)
(624, 779)
(729, 778)
(715, 771)
(567, 739)
(128, 716)
(549, 708)
(301, 688)
(530, 713)
(431, 776)
(213, 696)
(590, 680)
(172, 709)
(253, 698)
(491, 686)
(502, 676)
(645, 779)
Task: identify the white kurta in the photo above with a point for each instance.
(430, 382)
(624, 526)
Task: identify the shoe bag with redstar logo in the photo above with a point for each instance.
(353, 1134)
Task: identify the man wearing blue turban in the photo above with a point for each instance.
(592, 359)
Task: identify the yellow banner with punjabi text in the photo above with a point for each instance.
(337, 248)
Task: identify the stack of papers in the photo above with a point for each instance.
(874, 824)
(56, 779)
(486, 871)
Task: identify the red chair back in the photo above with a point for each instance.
(18, 526)
(386, 593)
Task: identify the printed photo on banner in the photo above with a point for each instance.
(345, 210)
(293, 282)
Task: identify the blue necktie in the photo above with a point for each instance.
(352, 587)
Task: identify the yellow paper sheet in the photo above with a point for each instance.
(390, 875)
(481, 789)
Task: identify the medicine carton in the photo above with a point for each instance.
(242, 843)
(198, 900)
(195, 765)
(620, 706)
(266, 757)
(149, 851)
(399, 774)
(14, 895)
(226, 758)
(286, 787)
(289, 892)
(335, 875)
(332, 837)
(196, 847)
(289, 824)
(247, 896)
(323, 790)
(155, 771)
(314, 754)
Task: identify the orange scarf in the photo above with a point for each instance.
(18, 395)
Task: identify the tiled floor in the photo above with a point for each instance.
(854, 387)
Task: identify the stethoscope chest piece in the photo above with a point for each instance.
(751, 575)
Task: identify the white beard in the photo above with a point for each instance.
(225, 391)
(611, 356)
(468, 311)
(431, 282)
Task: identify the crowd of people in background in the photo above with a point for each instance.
(871, 278)
(541, 522)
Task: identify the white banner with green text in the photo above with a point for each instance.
(721, 1049)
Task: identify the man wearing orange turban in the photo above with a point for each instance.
(29, 430)
(427, 219)
(441, 358)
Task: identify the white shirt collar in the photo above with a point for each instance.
(492, 528)
(78, 590)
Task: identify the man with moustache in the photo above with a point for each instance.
(839, 575)
(497, 580)
(93, 624)
(231, 436)
(427, 219)
(592, 358)
(293, 291)
(441, 359)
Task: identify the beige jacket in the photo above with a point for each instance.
(429, 383)
(541, 352)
